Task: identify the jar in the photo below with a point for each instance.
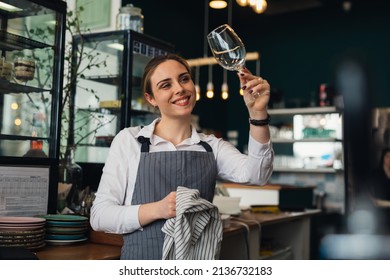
(24, 69)
(130, 17)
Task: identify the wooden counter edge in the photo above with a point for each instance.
(265, 187)
(105, 238)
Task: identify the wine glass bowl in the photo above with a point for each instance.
(227, 48)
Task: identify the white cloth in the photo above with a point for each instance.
(196, 231)
(119, 174)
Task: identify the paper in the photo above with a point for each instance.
(24, 191)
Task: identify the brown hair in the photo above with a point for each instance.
(152, 65)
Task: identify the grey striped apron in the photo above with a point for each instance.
(159, 174)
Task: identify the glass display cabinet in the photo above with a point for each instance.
(31, 67)
(108, 92)
(307, 139)
(309, 149)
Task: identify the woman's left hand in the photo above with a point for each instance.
(256, 93)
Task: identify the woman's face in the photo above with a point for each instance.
(173, 89)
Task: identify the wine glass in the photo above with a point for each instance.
(227, 48)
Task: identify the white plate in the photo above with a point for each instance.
(20, 228)
(64, 242)
(65, 218)
(21, 220)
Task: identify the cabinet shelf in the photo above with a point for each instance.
(27, 8)
(107, 111)
(317, 140)
(140, 112)
(8, 87)
(306, 170)
(12, 42)
(108, 79)
(113, 80)
(301, 111)
(95, 145)
(21, 138)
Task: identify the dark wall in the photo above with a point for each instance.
(299, 51)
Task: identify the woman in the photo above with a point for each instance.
(145, 165)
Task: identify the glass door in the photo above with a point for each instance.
(108, 93)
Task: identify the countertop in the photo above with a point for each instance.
(103, 246)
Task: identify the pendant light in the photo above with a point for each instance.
(210, 85)
(225, 87)
(197, 87)
(217, 4)
(259, 6)
(243, 3)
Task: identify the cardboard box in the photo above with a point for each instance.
(110, 104)
(284, 196)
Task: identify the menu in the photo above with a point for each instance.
(24, 191)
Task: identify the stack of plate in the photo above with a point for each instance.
(66, 229)
(25, 232)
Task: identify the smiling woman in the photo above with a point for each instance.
(146, 166)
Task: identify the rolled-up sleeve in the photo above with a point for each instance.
(254, 169)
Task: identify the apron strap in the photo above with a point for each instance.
(145, 142)
(206, 146)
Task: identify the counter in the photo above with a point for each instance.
(241, 240)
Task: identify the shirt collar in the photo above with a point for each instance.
(147, 132)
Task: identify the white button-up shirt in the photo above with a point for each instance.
(112, 210)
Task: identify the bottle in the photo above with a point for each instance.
(36, 145)
(323, 96)
(130, 17)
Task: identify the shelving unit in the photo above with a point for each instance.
(308, 144)
(30, 111)
(293, 135)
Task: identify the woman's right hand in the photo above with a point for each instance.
(167, 206)
(162, 209)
